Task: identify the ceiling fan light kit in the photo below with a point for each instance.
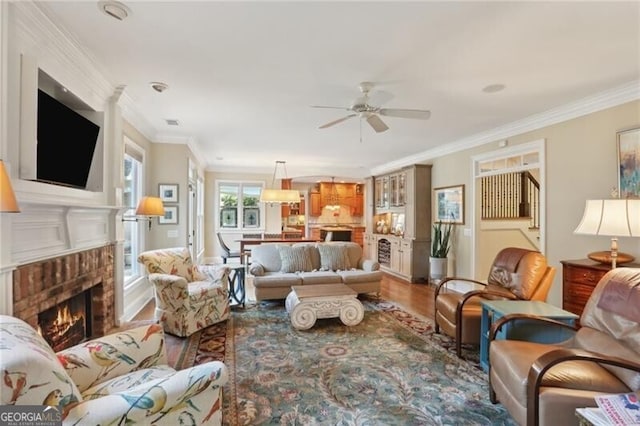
(361, 107)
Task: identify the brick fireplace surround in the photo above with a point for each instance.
(42, 285)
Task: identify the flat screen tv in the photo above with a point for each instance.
(66, 143)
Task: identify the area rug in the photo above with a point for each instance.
(387, 370)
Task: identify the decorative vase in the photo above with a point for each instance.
(437, 268)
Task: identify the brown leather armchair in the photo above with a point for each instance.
(516, 274)
(543, 384)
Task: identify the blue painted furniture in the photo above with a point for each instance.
(492, 310)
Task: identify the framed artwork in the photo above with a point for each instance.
(168, 192)
(170, 216)
(449, 204)
(629, 163)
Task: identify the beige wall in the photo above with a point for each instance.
(581, 163)
(171, 165)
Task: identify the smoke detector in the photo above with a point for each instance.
(115, 9)
(158, 86)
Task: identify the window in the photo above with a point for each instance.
(133, 231)
(239, 205)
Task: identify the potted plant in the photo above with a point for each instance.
(440, 245)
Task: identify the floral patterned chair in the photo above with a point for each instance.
(188, 297)
(120, 378)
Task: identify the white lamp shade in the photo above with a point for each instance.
(280, 196)
(614, 218)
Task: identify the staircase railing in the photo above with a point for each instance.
(511, 196)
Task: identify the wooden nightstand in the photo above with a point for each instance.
(579, 278)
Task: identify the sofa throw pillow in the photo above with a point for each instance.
(294, 259)
(333, 257)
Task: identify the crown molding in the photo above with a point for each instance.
(63, 55)
(600, 101)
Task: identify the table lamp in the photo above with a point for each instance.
(613, 218)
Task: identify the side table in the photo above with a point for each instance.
(237, 292)
(528, 330)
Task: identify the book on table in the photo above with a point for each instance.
(617, 409)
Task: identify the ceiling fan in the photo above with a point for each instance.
(361, 107)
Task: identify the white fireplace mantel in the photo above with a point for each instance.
(44, 230)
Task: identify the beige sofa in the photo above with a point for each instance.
(278, 267)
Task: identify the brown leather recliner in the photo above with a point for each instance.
(516, 274)
(543, 384)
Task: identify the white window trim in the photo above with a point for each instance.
(239, 228)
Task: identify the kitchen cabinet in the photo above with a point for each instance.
(417, 203)
(285, 209)
(381, 192)
(406, 258)
(345, 192)
(397, 189)
(358, 205)
(315, 204)
(395, 254)
(407, 191)
(391, 191)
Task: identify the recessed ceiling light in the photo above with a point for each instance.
(172, 122)
(492, 88)
(115, 9)
(159, 86)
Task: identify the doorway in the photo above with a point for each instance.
(503, 178)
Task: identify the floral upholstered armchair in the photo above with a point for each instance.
(121, 378)
(188, 297)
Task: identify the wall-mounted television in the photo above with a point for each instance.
(66, 142)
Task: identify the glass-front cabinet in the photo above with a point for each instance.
(399, 234)
(382, 192)
(391, 191)
(398, 189)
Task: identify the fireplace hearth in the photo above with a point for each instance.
(82, 281)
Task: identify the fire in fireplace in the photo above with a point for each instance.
(67, 323)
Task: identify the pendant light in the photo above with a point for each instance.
(333, 201)
(275, 195)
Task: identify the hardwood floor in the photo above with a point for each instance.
(414, 298)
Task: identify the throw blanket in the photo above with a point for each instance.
(622, 297)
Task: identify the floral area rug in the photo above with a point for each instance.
(391, 369)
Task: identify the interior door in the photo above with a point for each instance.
(192, 212)
(496, 230)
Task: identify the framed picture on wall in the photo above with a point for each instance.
(449, 204)
(168, 192)
(629, 163)
(170, 216)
